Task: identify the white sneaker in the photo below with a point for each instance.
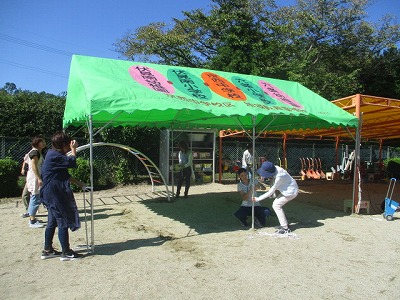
(37, 224)
(283, 231)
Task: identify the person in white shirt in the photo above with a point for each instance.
(284, 189)
(247, 160)
(34, 179)
(185, 157)
(245, 189)
(25, 193)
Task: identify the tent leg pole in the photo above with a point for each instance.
(172, 162)
(220, 157)
(356, 176)
(284, 158)
(252, 170)
(336, 152)
(91, 182)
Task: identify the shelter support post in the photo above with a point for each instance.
(357, 177)
(91, 183)
(253, 170)
(284, 159)
(172, 162)
(220, 157)
(337, 151)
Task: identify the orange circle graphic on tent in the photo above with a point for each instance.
(223, 87)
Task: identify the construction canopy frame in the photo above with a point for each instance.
(106, 92)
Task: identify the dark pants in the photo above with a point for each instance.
(63, 234)
(26, 196)
(249, 169)
(261, 213)
(184, 176)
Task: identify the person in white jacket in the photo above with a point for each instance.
(248, 160)
(284, 189)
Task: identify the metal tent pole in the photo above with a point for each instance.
(172, 161)
(356, 176)
(252, 170)
(91, 181)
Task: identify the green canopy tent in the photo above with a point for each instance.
(132, 93)
(107, 92)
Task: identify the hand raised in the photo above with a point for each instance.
(73, 144)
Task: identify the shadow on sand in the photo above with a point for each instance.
(213, 212)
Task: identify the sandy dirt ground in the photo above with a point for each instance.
(148, 248)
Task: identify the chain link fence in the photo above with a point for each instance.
(112, 165)
(232, 151)
(296, 150)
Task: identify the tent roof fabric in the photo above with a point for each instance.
(380, 120)
(127, 93)
(380, 116)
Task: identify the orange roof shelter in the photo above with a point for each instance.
(379, 121)
(380, 118)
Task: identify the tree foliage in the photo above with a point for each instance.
(25, 114)
(327, 45)
(382, 75)
(145, 140)
(9, 171)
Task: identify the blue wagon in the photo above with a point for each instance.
(391, 206)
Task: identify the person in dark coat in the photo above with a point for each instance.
(58, 197)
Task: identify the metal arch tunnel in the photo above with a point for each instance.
(150, 166)
(153, 171)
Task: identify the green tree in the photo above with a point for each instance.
(146, 140)
(381, 76)
(241, 42)
(10, 88)
(324, 44)
(25, 114)
(229, 38)
(328, 44)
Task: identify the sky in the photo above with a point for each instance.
(39, 37)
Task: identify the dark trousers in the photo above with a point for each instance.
(261, 213)
(26, 196)
(63, 234)
(184, 176)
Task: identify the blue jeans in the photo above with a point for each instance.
(63, 235)
(261, 213)
(34, 203)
